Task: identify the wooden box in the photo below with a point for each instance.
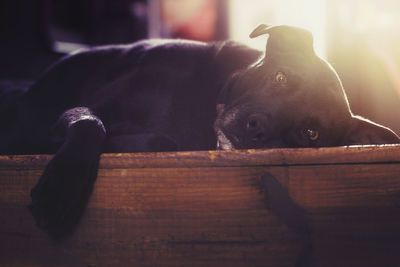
(275, 207)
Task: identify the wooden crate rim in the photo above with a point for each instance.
(252, 157)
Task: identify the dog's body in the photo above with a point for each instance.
(159, 92)
(165, 95)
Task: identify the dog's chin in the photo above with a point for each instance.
(223, 143)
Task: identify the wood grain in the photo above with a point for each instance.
(250, 157)
(214, 208)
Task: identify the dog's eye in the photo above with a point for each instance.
(280, 77)
(313, 135)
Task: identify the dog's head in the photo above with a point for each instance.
(290, 98)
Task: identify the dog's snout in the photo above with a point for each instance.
(255, 127)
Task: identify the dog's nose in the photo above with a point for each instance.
(255, 128)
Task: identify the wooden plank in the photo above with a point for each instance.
(186, 216)
(353, 212)
(250, 157)
(231, 208)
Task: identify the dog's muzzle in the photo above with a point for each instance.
(223, 143)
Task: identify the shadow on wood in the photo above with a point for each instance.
(277, 207)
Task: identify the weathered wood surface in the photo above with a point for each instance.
(278, 207)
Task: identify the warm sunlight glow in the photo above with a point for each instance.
(376, 24)
(360, 38)
(309, 14)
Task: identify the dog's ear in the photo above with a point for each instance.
(365, 132)
(260, 30)
(286, 39)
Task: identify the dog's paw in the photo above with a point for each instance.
(61, 194)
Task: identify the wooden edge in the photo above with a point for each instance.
(252, 157)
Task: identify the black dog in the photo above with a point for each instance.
(164, 95)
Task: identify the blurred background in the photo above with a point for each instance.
(360, 38)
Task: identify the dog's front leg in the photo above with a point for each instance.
(62, 191)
